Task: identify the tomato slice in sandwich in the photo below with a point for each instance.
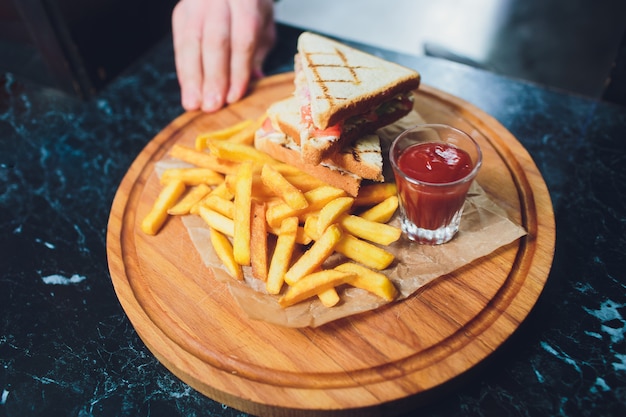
(335, 130)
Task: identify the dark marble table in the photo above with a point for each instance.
(68, 349)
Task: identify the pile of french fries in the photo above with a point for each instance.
(280, 222)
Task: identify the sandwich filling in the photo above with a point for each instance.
(269, 132)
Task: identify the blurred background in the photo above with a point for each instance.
(566, 44)
(574, 45)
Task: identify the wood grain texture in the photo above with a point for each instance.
(368, 364)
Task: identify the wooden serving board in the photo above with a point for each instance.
(375, 363)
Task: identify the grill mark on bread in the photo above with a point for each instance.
(323, 82)
(357, 154)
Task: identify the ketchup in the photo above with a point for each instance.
(433, 205)
(435, 162)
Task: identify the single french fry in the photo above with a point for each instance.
(317, 198)
(369, 280)
(221, 134)
(219, 204)
(238, 152)
(224, 251)
(292, 196)
(375, 232)
(383, 211)
(281, 258)
(241, 215)
(258, 242)
(186, 203)
(289, 170)
(203, 159)
(332, 211)
(302, 181)
(313, 284)
(217, 221)
(364, 252)
(192, 176)
(372, 194)
(329, 297)
(168, 196)
(246, 135)
(315, 256)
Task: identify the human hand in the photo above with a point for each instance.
(219, 45)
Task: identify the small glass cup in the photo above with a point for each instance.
(431, 207)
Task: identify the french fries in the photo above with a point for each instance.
(315, 256)
(317, 198)
(369, 280)
(290, 228)
(186, 204)
(312, 284)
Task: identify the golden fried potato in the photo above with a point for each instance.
(283, 252)
(369, 280)
(258, 242)
(166, 199)
(313, 258)
(224, 251)
(313, 284)
(241, 215)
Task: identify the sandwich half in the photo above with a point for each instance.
(344, 93)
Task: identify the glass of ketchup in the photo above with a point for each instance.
(434, 166)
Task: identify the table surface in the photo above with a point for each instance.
(68, 349)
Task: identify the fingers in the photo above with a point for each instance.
(219, 45)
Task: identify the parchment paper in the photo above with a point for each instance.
(484, 228)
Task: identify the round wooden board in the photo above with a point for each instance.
(368, 364)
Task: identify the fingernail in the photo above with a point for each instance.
(211, 102)
(232, 97)
(191, 100)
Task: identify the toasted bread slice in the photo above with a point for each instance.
(343, 82)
